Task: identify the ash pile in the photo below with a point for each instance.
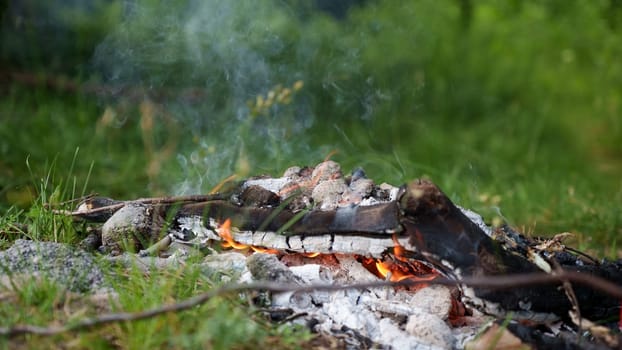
(317, 226)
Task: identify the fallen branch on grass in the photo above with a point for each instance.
(496, 282)
(101, 208)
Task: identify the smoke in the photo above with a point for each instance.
(206, 62)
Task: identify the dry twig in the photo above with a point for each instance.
(154, 200)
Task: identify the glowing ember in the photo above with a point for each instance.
(399, 267)
(397, 271)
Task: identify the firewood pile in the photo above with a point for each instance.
(457, 281)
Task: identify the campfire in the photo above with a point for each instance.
(315, 225)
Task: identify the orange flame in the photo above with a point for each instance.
(224, 231)
(396, 272)
(398, 250)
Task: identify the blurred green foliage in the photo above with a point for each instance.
(513, 107)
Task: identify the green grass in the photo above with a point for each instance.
(512, 172)
(514, 123)
(228, 322)
(542, 175)
(221, 323)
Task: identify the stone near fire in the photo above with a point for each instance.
(292, 172)
(358, 189)
(267, 267)
(297, 173)
(327, 194)
(351, 271)
(227, 263)
(435, 300)
(431, 329)
(131, 228)
(328, 170)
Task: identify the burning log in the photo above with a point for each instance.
(452, 241)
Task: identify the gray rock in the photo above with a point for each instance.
(73, 269)
(227, 262)
(435, 300)
(327, 194)
(430, 329)
(362, 187)
(131, 228)
(92, 241)
(292, 172)
(327, 170)
(267, 267)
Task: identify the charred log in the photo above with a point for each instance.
(380, 219)
(451, 241)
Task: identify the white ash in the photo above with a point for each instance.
(433, 300)
(393, 191)
(431, 329)
(378, 314)
(267, 267)
(310, 273)
(399, 340)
